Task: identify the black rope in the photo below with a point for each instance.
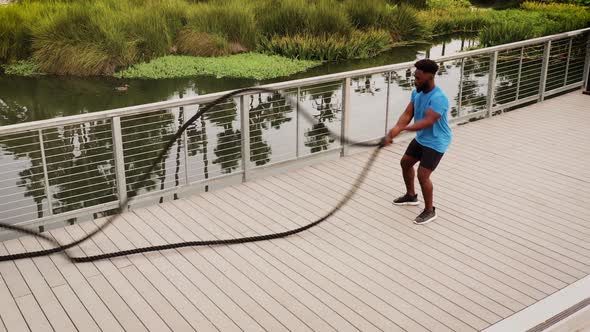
(63, 248)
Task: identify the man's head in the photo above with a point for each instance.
(424, 75)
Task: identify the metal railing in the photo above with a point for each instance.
(58, 170)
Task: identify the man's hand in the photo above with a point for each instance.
(387, 140)
(391, 135)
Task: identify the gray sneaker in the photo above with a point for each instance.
(406, 200)
(425, 217)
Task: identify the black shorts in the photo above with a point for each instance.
(429, 158)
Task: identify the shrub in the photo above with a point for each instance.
(81, 39)
(360, 44)
(366, 14)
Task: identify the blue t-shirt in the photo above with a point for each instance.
(437, 137)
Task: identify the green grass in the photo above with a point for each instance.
(249, 65)
(190, 42)
(297, 17)
(89, 38)
(447, 4)
(101, 37)
(572, 2)
(16, 23)
(23, 68)
(405, 25)
(80, 40)
(444, 21)
(151, 28)
(419, 4)
(359, 45)
(533, 20)
(233, 20)
(328, 17)
(286, 17)
(366, 14)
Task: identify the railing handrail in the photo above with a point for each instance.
(132, 110)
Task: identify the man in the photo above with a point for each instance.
(429, 107)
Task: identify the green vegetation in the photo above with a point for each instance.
(22, 68)
(103, 37)
(531, 21)
(461, 19)
(360, 45)
(232, 20)
(447, 4)
(366, 14)
(250, 65)
(506, 4)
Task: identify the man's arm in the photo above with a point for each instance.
(428, 121)
(402, 123)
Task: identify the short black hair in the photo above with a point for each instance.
(427, 66)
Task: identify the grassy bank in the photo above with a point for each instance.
(531, 21)
(105, 37)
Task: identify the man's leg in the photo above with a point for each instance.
(428, 163)
(412, 155)
(410, 158)
(407, 164)
(426, 185)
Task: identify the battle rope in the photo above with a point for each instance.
(63, 248)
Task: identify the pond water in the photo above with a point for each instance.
(25, 99)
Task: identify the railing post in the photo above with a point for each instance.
(344, 128)
(297, 122)
(184, 141)
(186, 164)
(45, 174)
(119, 161)
(245, 128)
(567, 64)
(519, 73)
(492, 83)
(387, 103)
(460, 101)
(544, 69)
(586, 77)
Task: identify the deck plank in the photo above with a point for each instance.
(84, 291)
(11, 316)
(331, 310)
(12, 276)
(393, 283)
(124, 288)
(55, 313)
(471, 228)
(34, 316)
(541, 267)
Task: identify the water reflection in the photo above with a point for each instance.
(227, 151)
(21, 154)
(317, 138)
(144, 136)
(265, 111)
(79, 165)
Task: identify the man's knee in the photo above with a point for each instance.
(423, 174)
(407, 162)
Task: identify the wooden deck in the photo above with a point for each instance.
(512, 195)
